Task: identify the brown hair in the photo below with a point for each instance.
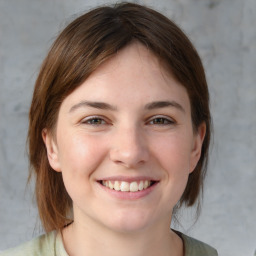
(82, 46)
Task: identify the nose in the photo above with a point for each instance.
(129, 148)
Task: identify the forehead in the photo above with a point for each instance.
(132, 75)
(137, 54)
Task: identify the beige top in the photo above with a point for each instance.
(51, 245)
(46, 245)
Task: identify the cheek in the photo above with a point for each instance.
(173, 153)
(173, 156)
(80, 154)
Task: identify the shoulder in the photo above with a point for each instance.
(40, 246)
(194, 247)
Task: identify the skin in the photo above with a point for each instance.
(128, 139)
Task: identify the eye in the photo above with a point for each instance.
(94, 120)
(161, 121)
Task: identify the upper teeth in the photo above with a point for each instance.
(127, 186)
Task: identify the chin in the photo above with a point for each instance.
(128, 227)
(129, 222)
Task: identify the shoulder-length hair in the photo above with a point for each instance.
(79, 49)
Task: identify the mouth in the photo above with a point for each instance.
(125, 186)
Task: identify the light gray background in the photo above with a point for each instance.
(224, 32)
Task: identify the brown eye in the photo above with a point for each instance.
(94, 121)
(161, 121)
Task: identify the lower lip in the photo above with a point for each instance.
(130, 195)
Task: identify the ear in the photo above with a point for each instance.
(197, 146)
(52, 150)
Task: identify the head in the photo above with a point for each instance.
(80, 49)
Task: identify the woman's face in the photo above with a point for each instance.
(125, 144)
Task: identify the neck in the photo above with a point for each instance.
(90, 241)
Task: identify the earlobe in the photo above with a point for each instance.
(197, 146)
(52, 150)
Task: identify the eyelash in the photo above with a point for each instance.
(164, 121)
(90, 121)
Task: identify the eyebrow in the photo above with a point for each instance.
(164, 104)
(106, 106)
(92, 104)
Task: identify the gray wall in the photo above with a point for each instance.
(224, 31)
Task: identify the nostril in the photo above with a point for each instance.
(129, 159)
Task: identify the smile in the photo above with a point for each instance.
(125, 186)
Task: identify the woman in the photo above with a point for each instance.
(118, 137)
